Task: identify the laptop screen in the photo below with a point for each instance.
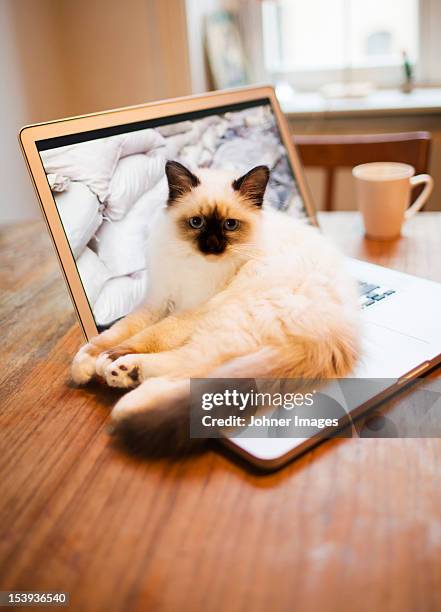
(107, 183)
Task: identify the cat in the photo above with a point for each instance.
(237, 289)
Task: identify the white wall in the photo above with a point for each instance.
(21, 101)
(13, 113)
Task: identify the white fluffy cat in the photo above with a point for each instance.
(236, 290)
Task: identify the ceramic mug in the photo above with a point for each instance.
(383, 194)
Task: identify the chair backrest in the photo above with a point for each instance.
(346, 151)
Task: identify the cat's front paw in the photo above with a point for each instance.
(83, 365)
(108, 357)
(125, 372)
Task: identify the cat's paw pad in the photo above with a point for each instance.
(83, 365)
(124, 372)
(108, 357)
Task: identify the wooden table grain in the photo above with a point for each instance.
(352, 525)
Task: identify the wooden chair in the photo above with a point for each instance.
(332, 152)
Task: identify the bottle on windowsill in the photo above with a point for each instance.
(408, 83)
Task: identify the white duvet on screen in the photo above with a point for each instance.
(121, 244)
(195, 145)
(79, 211)
(93, 162)
(141, 142)
(119, 296)
(93, 274)
(244, 153)
(57, 182)
(133, 176)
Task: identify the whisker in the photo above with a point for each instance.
(248, 251)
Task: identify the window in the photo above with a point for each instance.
(325, 36)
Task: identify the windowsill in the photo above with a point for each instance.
(380, 102)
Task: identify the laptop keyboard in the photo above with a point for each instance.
(372, 294)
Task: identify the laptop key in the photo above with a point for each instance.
(365, 287)
(371, 294)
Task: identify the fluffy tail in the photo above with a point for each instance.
(154, 419)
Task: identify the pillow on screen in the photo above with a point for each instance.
(119, 296)
(141, 142)
(121, 244)
(79, 211)
(93, 274)
(92, 162)
(57, 182)
(133, 176)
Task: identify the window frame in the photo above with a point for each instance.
(427, 69)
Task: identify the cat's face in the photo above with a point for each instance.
(213, 211)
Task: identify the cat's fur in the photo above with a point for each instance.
(269, 299)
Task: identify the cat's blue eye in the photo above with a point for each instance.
(231, 224)
(196, 222)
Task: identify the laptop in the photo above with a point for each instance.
(100, 177)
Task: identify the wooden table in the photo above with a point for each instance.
(352, 525)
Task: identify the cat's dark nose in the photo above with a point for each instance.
(214, 245)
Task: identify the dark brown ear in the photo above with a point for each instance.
(180, 180)
(252, 185)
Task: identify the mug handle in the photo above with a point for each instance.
(421, 179)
